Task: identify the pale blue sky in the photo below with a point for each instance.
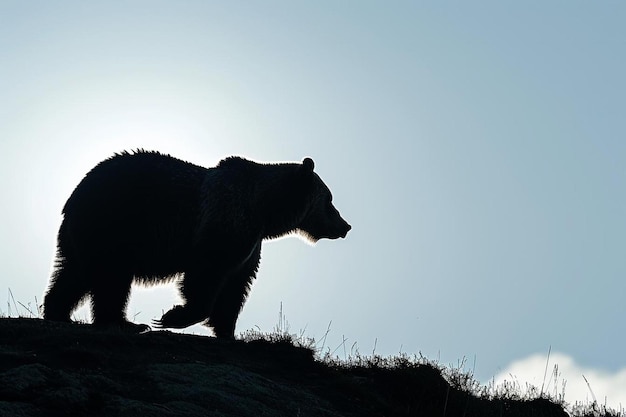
(477, 148)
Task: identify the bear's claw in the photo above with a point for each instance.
(157, 324)
(178, 317)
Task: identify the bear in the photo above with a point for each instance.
(149, 218)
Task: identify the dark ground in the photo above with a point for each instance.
(54, 369)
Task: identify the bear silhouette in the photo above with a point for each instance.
(150, 218)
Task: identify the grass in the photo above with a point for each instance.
(24, 310)
(552, 388)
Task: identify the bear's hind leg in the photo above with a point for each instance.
(232, 296)
(68, 288)
(109, 296)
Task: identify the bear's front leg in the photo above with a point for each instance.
(198, 288)
(232, 296)
(179, 317)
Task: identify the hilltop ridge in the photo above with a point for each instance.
(58, 369)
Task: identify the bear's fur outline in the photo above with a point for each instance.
(146, 217)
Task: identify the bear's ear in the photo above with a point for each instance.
(308, 164)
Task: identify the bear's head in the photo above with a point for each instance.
(321, 219)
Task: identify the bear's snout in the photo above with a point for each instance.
(340, 230)
(347, 228)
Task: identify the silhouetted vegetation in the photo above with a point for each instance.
(54, 369)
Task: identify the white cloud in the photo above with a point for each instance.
(607, 387)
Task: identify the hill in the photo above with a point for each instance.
(57, 369)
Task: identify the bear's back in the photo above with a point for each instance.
(131, 181)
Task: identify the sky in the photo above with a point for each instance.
(476, 148)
